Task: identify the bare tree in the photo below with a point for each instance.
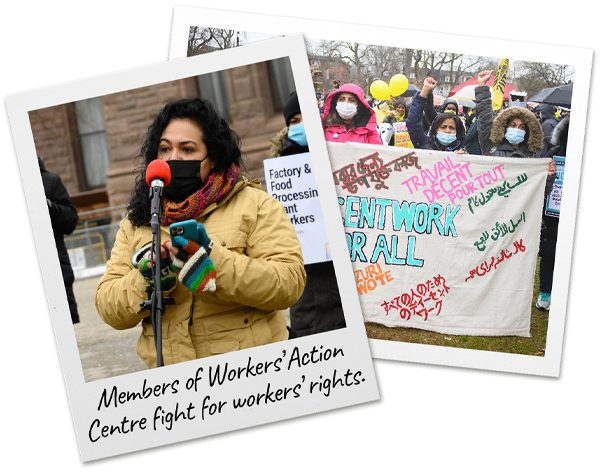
(533, 77)
(204, 40)
(384, 62)
(433, 63)
(354, 53)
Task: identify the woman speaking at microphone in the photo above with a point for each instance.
(248, 253)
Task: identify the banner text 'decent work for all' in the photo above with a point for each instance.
(441, 241)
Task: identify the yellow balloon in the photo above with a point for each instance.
(380, 90)
(398, 84)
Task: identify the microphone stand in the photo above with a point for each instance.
(156, 302)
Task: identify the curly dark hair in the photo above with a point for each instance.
(362, 117)
(222, 144)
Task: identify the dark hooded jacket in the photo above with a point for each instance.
(64, 219)
(491, 131)
(449, 101)
(414, 124)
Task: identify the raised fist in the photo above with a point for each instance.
(429, 84)
(483, 77)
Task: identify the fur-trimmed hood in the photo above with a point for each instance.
(535, 136)
(276, 142)
(282, 145)
(560, 134)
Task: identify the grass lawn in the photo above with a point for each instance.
(536, 345)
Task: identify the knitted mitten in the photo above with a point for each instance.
(141, 261)
(197, 272)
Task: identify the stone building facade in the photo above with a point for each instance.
(99, 168)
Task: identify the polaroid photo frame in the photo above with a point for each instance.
(579, 58)
(165, 405)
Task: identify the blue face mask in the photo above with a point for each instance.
(514, 136)
(297, 134)
(445, 139)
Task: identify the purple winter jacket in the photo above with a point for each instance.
(339, 133)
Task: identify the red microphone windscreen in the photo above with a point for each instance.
(158, 169)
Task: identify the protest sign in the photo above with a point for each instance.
(441, 241)
(290, 180)
(554, 198)
(401, 135)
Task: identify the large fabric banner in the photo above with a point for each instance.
(441, 241)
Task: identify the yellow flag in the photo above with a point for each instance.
(499, 84)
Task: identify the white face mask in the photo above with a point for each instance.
(346, 110)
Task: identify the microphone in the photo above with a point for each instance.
(158, 171)
(158, 175)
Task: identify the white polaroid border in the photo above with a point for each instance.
(580, 58)
(337, 378)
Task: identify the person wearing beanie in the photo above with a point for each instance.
(319, 308)
(291, 140)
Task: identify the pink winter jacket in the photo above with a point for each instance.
(339, 133)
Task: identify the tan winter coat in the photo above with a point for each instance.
(260, 271)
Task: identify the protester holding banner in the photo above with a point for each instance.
(348, 118)
(549, 231)
(246, 244)
(515, 132)
(447, 132)
(319, 309)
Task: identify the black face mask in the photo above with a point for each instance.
(185, 179)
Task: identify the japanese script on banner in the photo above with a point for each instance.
(555, 196)
(441, 241)
(290, 180)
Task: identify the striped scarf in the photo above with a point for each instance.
(217, 186)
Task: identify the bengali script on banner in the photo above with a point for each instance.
(441, 241)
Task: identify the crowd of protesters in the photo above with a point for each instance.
(516, 131)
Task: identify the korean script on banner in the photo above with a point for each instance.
(401, 135)
(290, 180)
(441, 241)
(554, 198)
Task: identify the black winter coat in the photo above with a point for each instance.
(63, 215)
